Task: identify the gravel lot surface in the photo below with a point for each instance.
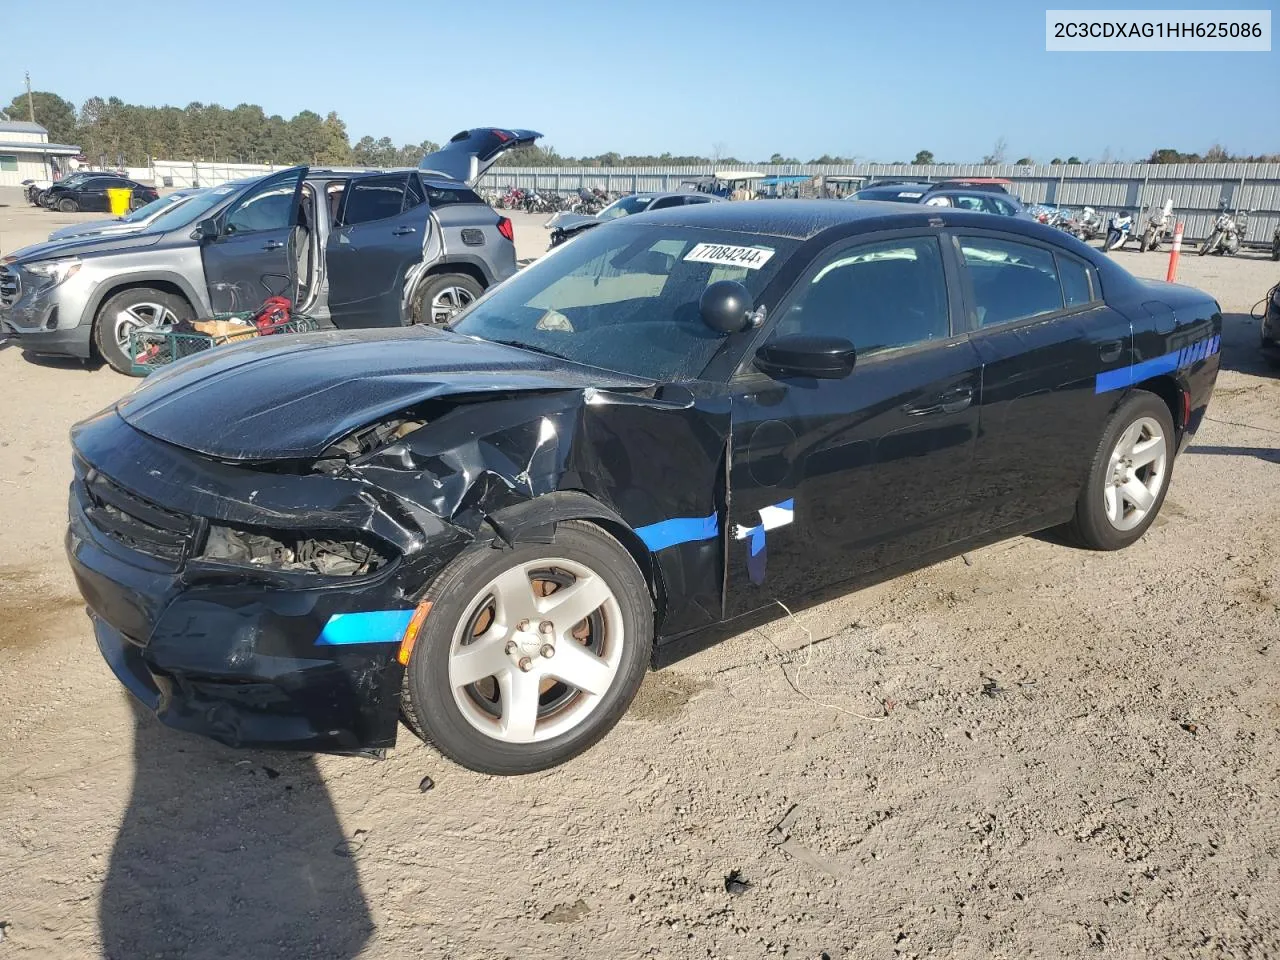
(1032, 751)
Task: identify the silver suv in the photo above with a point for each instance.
(353, 248)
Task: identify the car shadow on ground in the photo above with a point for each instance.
(54, 363)
(225, 853)
(1241, 342)
(1269, 454)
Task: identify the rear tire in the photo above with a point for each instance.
(1129, 476)
(139, 308)
(67, 205)
(485, 622)
(1208, 244)
(439, 298)
(1146, 242)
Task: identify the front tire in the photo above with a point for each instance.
(141, 308)
(1129, 476)
(531, 654)
(1208, 245)
(1147, 241)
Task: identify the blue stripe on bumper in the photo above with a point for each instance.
(373, 626)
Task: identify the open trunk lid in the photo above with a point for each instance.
(470, 153)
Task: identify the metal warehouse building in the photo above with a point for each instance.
(26, 153)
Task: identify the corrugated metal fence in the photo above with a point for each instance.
(1195, 188)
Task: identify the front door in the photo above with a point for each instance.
(1045, 336)
(830, 479)
(259, 238)
(379, 236)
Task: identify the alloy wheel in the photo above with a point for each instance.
(449, 302)
(1136, 473)
(151, 317)
(537, 650)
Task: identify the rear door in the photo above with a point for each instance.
(1044, 335)
(378, 238)
(254, 253)
(470, 153)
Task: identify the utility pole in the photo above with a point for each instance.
(31, 106)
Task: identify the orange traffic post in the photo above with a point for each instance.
(1172, 275)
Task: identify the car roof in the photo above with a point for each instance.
(804, 219)
(341, 173)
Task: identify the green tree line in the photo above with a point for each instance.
(113, 132)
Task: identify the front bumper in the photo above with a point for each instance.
(246, 656)
(46, 320)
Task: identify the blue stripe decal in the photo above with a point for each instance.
(1128, 376)
(668, 533)
(373, 626)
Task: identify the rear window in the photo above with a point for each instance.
(447, 196)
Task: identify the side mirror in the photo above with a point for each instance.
(206, 229)
(725, 306)
(823, 358)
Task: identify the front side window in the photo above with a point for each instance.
(374, 198)
(1011, 280)
(879, 296)
(625, 207)
(1003, 207)
(271, 209)
(625, 297)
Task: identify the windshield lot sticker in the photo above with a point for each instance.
(753, 258)
(778, 515)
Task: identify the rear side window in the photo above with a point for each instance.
(1011, 281)
(446, 196)
(1077, 288)
(374, 198)
(1003, 207)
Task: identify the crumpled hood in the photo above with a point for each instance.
(292, 397)
(83, 246)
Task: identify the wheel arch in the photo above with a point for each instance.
(536, 519)
(167, 282)
(468, 267)
(1168, 389)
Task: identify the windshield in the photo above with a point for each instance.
(154, 207)
(625, 297)
(624, 207)
(193, 209)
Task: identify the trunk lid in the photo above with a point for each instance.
(470, 153)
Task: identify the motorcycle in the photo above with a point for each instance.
(1159, 228)
(1228, 232)
(1118, 229)
(1087, 226)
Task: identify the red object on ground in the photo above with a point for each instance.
(1172, 275)
(273, 313)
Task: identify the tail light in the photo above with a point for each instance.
(505, 228)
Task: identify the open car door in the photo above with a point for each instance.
(470, 153)
(250, 250)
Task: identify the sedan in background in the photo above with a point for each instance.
(979, 201)
(90, 194)
(133, 222)
(564, 226)
(656, 436)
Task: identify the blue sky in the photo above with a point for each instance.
(877, 81)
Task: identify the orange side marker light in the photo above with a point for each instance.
(411, 632)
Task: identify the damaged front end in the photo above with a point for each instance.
(255, 589)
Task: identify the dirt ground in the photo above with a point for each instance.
(1032, 751)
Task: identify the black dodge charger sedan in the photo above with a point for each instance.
(651, 435)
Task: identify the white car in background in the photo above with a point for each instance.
(133, 222)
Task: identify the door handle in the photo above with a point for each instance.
(273, 245)
(1110, 350)
(953, 401)
(402, 231)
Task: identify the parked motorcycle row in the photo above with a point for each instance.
(585, 202)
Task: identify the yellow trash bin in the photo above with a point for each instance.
(119, 198)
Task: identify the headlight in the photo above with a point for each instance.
(53, 272)
(299, 554)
